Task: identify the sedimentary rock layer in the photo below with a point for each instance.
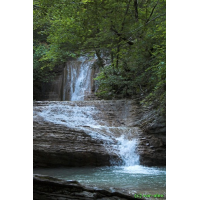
(57, 145)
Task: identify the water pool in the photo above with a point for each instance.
(146, 180)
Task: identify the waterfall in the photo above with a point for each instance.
(78, 79)
(127, 151)
(91, 118)
(87, 117)
(72, 132)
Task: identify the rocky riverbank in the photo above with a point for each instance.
(45, 187)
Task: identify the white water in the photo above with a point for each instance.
(127, 150)
(78, 80)
(87, 119)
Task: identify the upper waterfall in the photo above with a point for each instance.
(78, 79)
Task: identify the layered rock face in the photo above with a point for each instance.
(152, 143)
(51, 90)
(45, 187)
(56, 145)
(64, 135)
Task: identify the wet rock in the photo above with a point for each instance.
(45, 187)
(154, 136)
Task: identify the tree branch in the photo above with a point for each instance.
(136, 9)
(127, 8)
(35, 7)
(147, 23)
(120, 35)
(152, 11)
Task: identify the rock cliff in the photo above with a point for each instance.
(152, 143)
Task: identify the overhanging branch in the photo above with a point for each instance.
(147, 23)
(152, 11)
(120, 36)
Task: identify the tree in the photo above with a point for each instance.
(130, 32)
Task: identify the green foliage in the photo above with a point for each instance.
(115, 83)
(131, 32)
(41, 72)
(55, 56)
(158, 69)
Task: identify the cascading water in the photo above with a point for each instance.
(127, 151)
(77, 83)
(85, 118)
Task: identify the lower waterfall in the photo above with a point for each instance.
(88, 118)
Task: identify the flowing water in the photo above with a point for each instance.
(78, 79)
(129, 175)
(136, 178)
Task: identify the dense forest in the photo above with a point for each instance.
(130, 33)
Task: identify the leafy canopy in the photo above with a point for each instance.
(130, 33)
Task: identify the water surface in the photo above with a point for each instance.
(136, 177)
